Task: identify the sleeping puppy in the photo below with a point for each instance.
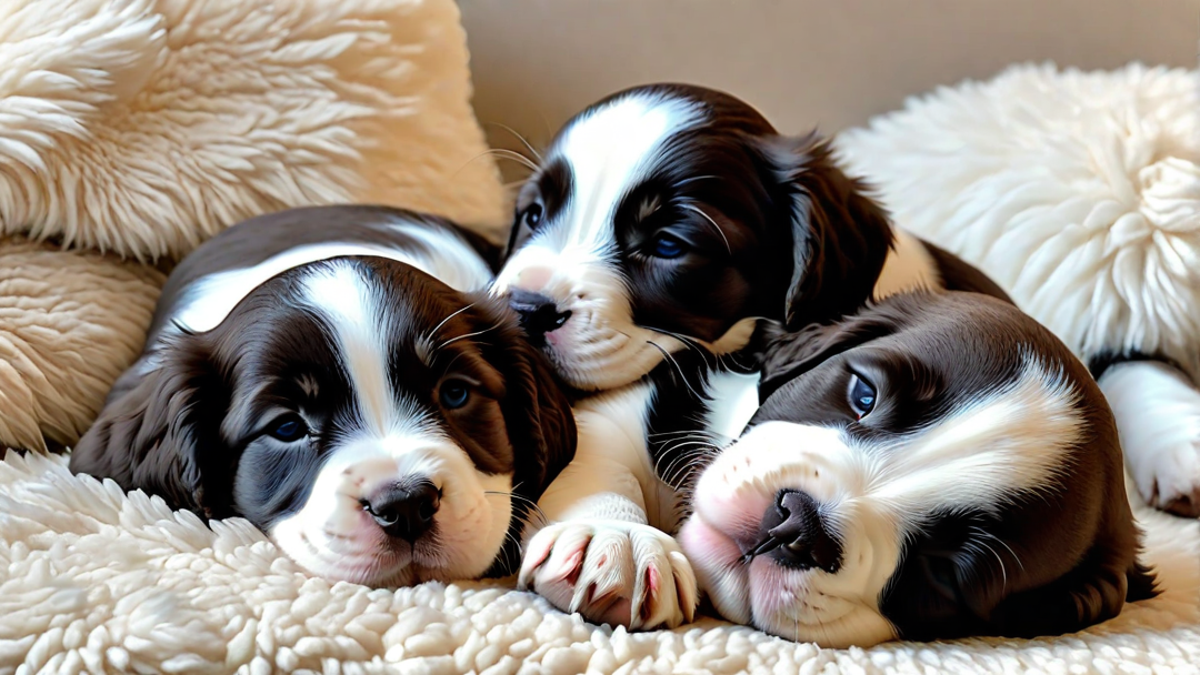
(332, 375)
(663, 224)
(935, 466)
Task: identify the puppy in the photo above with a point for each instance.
(934, 466)
(333, 376)
(663, 224)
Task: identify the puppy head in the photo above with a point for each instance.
(672, 214)
(379, 426)
(932, 467)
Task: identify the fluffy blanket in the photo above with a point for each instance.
(93, 580)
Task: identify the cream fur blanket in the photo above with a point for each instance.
(94, 580)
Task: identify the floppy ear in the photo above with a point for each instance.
(161, 433)
(840, 236)
(538, 413)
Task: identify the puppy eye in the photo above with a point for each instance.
(454, 394)
(862, 396)
(288, 428)
(668, 246)
(532, 215)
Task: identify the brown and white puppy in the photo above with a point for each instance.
(934, 466)
(332, 375)
(665, 221)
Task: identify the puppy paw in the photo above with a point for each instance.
(1157, 411)
(1169, 477)
(612, 572)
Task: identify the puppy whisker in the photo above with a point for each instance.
(679, 370)
(433, 333)
(700, 212)
(464, 336)
(514, 156)
(519, 137)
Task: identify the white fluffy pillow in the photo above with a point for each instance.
(142, 127)
(1079, 193)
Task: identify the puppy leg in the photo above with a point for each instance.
(1157, 409)
(596, 554)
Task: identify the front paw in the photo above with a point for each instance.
(612, 572)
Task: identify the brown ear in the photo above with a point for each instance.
(539, 413)
(840, 236)
(541, 428)
(160, 433)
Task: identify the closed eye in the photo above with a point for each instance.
(862, 396)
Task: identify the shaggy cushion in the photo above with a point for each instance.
(144, 126)
(70, 322)
(1091, 179)
(93, 578)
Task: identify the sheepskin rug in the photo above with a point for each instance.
(143, 127)
(94, 580)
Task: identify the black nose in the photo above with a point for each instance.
(405, 512)
(803, 541)
(539, 314)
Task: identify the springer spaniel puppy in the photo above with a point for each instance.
(934, 466)
(664, 223)
(339, 377)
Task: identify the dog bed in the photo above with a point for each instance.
(94, 580)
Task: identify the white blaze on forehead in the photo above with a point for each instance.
(1012, 439)
(354, 314)
(609, 152)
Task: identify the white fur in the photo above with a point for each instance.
(873, 496)
(392, 442)
(1079, 193)
(1158, 417)
(604, 521)
(207, 302)
(908, 266)
(600, 347)
(733, 401)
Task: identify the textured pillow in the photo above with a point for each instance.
(1079, 193)
(70, 322)
(142, 127)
